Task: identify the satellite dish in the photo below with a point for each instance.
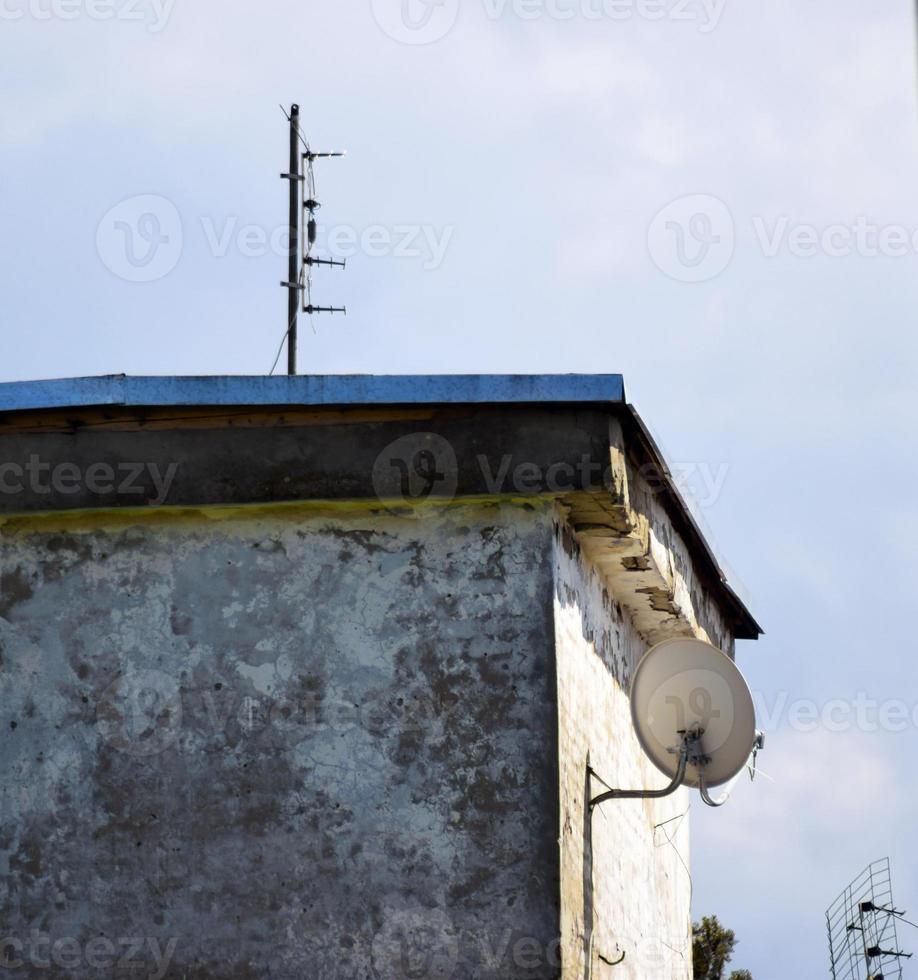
(693, 715)
(685, 685)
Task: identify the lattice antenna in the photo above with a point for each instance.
(863, 944)
(303, 234)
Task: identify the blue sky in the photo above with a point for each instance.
(529, 187)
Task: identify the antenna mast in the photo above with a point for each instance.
(300, 259)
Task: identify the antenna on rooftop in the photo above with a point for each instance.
(302, 235)
(863, 944)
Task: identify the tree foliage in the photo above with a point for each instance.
(712, 950)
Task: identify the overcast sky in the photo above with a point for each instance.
(716, 198)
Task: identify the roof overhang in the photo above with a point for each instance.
(256, 440)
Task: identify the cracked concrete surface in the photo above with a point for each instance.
(278, 740)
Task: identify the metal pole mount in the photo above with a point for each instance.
(690, 751)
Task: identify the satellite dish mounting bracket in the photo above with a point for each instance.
(690, 751)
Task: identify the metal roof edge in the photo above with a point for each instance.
(344, 389)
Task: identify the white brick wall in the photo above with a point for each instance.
(636, 898)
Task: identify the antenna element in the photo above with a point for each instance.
(300, 258)
(863, 944)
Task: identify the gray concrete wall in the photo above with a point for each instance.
(289, 743)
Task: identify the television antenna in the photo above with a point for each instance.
(301, 261)
(863, 941)
(694, 718)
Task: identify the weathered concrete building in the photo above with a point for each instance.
(301, 677)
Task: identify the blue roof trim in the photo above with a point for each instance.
(344, 389)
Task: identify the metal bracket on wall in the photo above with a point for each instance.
(689, 751)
